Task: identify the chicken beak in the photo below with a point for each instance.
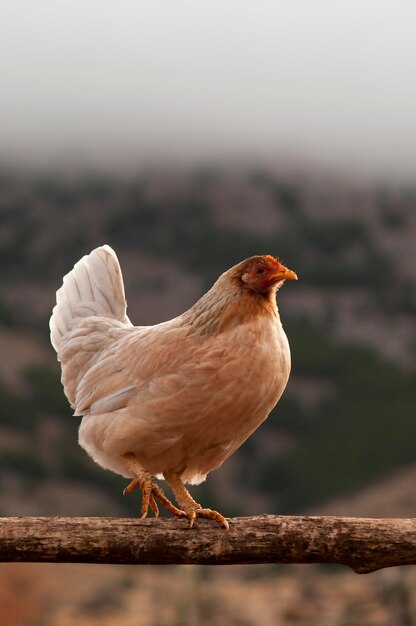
(284, 273)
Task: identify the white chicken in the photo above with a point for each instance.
(176, 399)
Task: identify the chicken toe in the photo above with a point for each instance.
(150, 489)
(145, 487)
(187, 503)
(193, 513)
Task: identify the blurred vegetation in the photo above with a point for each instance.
(362, 430)
(45, 393)
(14, 410)
(26, 463)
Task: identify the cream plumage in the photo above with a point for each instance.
(175, 399)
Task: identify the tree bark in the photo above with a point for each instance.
(363, 544)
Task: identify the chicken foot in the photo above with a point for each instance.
(149, 488)
(188, 504)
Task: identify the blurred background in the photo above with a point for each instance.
(189, 136)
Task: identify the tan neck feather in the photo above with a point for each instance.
(228, 304)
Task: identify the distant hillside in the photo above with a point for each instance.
(347, 417)
(390, 496)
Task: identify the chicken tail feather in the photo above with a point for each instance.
(93, 287)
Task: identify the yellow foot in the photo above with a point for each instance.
(152, 492)
(192, 509)
(147, 495)
(194, 512)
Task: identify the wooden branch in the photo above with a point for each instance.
(363, 544)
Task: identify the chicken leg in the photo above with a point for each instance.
(188, 504)
(149, 488)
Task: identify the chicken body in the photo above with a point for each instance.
(178, 397)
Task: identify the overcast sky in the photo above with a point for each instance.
(334, 81)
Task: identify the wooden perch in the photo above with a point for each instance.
(363, 544)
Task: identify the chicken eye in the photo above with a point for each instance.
(259, 270)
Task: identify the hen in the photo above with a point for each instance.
(176, 399)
